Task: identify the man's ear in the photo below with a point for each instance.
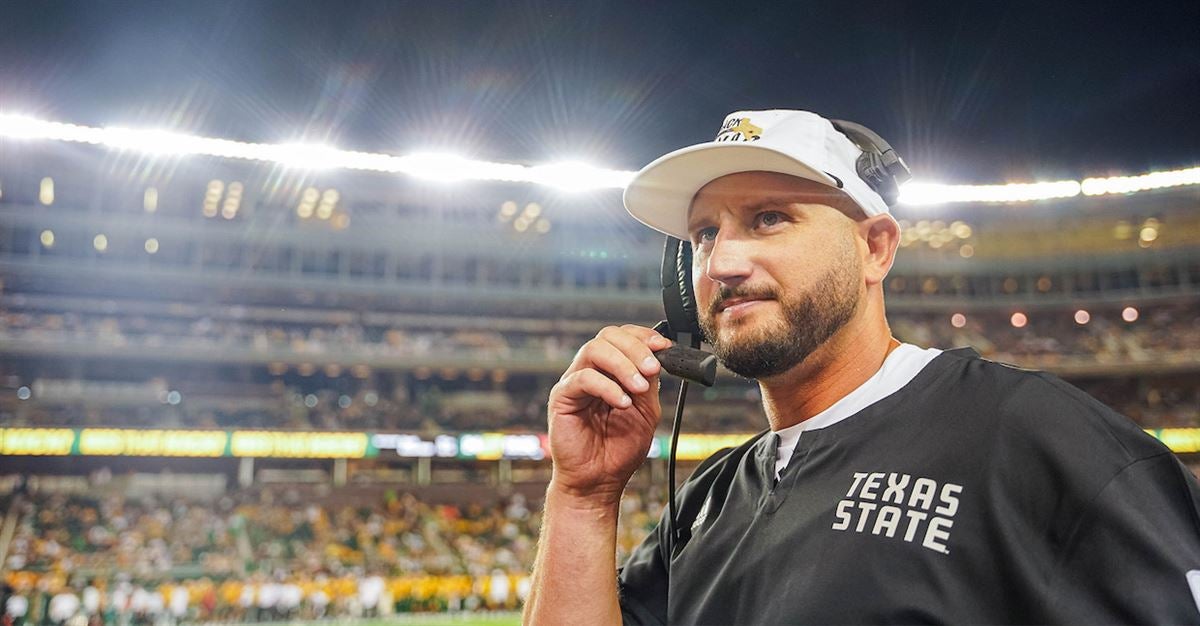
(882, 236)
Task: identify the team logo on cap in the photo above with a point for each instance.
(739, 129)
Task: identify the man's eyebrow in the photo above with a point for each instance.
(769, 203)
(761, 205)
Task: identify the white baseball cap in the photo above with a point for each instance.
(799, 143)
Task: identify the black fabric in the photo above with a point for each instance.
(977, 493)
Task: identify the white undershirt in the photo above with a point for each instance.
(898, 369)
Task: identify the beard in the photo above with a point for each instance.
(809, 320)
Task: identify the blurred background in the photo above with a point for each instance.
(284, 285)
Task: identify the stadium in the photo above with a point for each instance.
(263, 382)
(237, 374)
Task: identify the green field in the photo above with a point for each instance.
(427, 619)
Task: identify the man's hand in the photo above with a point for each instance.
(603, 413)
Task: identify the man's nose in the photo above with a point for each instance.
(728, 261)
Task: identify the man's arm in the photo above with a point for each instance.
(1132, 555)
(602, 415)
(574, 577)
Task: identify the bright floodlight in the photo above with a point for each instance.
(575, 176)
(1145, 182)
(428, 166)
(570, 176)
(916, 193)
(452, 168)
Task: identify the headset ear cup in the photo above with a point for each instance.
(879, 165)
(676, 277)
(872, 169)
(687, 297)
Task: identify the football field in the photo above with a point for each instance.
(426, 619)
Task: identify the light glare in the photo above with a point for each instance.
(567, 176)
(919, 194)
(46, 191)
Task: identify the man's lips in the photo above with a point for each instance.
(738, 304)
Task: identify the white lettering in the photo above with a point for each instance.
(914, 520)
(949, 500)
(889, 501)
(935, 533)
(858, 476)
(895, 488)
(866, 508)
(922, 493)
(868, 490)
(843, 516)
(886, 520)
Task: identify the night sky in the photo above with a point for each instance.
(967, 91)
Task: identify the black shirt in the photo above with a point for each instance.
(978, 492)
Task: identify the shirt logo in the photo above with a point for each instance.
(900, 506)
(702, 515)
(1193, 580)
(739, 129)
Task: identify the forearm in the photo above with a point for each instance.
(575, 577)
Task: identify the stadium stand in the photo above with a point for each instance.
(225, 298)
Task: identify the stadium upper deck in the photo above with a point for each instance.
(226, 275)
(83, 221)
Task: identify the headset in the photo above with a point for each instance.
(879, 166)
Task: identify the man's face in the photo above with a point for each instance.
(776, 270)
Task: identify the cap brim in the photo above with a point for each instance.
(660, 195)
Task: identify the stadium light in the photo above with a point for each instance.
(574, 176)
(919, 194)
(1145, 182)
(150, 200)
(566, 176)
(46, 191)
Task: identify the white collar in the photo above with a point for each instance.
(898, 369)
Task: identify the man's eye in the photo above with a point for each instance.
(769, 218)
(706, 234)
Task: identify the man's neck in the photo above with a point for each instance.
(840, 366)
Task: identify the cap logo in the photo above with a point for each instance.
(739, 129)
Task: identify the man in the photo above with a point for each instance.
(895, 484)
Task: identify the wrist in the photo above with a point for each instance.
(595, 500)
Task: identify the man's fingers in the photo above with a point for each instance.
(589, 383)
(608, 359)
(639, 344)
(623, 357)
(648, 335)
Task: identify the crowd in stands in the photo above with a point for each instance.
(1105, 336)
(1047, 335)
(271, 556)
(205, 333)
(289, 408)
(1047, 339)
